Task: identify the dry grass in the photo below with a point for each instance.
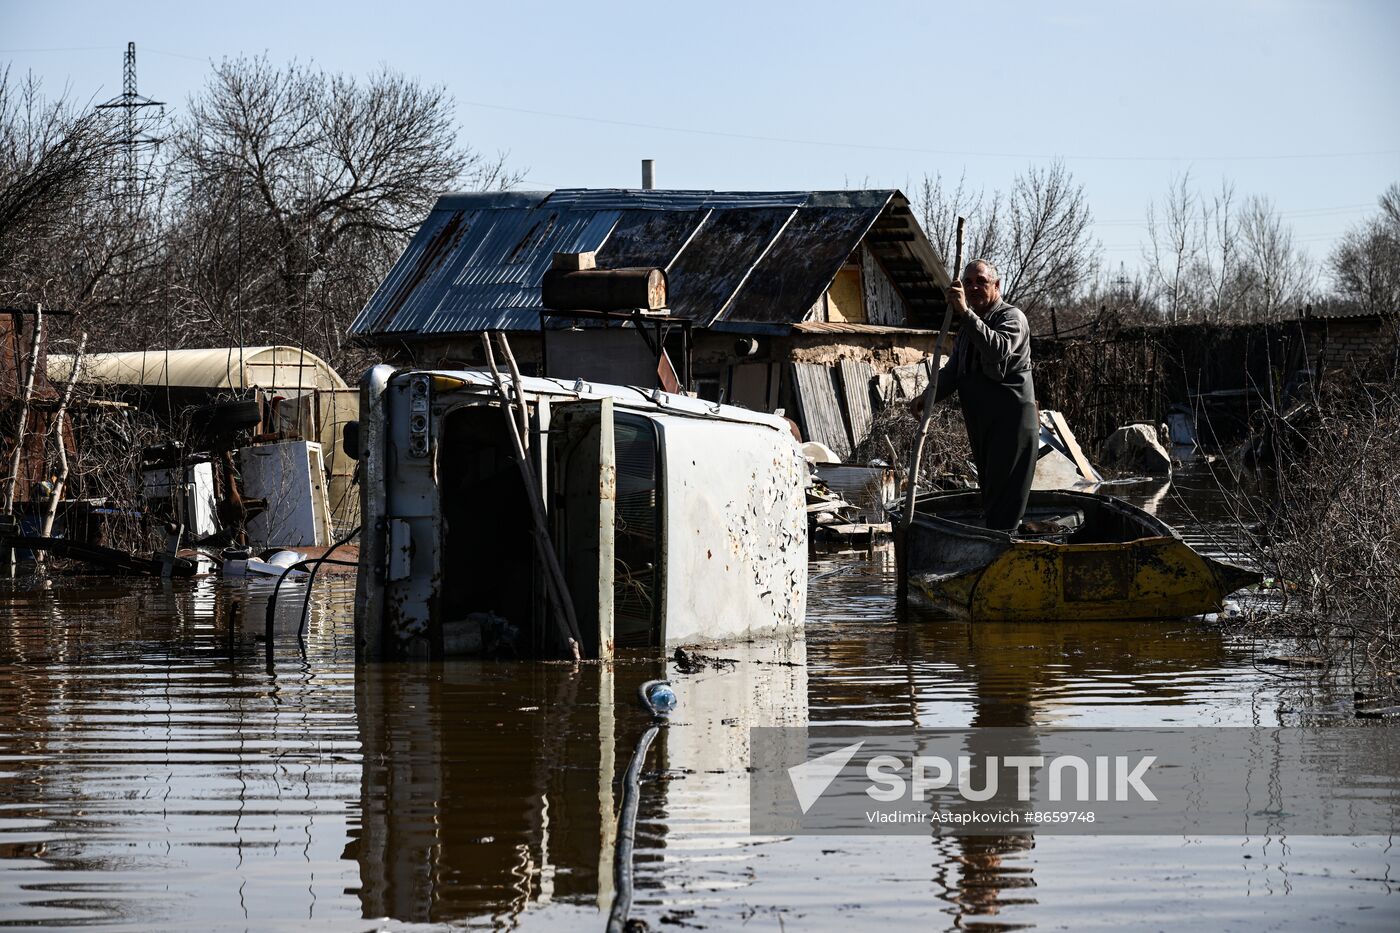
(1331, 535)
(947, 457)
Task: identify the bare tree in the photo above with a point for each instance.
(1176, 234)
(55, 168)
(1365, 265)
(1277, 274)
(939, 206)
(1038, 236)
(1221, 265)
(1050, 253)
(298, 189)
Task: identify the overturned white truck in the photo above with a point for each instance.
(673, 520)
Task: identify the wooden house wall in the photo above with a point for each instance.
(883, 302)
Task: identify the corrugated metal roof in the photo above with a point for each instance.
(478, 261)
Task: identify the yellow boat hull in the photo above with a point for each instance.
(972, 573)
(1155, 578)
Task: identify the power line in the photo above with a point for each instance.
(76, 48)
(920, 151)
(1302, 213)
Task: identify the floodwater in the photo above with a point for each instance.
(162, 770)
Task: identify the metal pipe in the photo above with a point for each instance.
(648, 174)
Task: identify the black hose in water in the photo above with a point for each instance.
(314, 563)
(659, 704)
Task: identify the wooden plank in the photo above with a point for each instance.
(574, 262)
(1066, 435)
(855, 390)
(819, 407)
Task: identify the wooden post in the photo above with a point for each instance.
(906, 520)
(23, 425)
(555, 585)
(17, 458)
(519, 385)
(47, 528)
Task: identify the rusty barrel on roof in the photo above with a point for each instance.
(604, 289)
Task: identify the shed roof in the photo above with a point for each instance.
(280, 368)
(734, 260)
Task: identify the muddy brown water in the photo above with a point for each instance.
(160, 772)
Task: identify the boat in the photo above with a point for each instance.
(1090, 557)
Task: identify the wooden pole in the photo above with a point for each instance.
(17, 457)
(916, 456)
(519, 385)
(23, 425)
(555, 585)
(47, 528)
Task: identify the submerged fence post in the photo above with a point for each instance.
(20, 428)
(47, 528)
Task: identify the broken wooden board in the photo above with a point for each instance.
(1086, 469)
(819, 408)
(855, 391)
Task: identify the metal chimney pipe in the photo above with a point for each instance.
(648, 174)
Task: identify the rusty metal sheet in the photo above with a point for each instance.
(800, 265)
(734, 259)
(717, 260)
(648, 238)
(468, 270)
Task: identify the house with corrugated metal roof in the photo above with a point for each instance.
(780, 294)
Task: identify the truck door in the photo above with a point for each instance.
(583, 480)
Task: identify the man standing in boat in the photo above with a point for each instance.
(990, 369)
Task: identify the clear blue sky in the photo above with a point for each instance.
(1295, 99)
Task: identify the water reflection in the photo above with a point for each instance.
(956, 675)
(488, 789)
(166, 768)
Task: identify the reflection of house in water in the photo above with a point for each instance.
(489, 789)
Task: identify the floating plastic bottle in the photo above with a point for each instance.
(660, 698)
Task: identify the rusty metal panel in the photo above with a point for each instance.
(648, 238)
(801, 264)
(717, 260)
(1097, 575)
(471, 270)
(732, 257)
